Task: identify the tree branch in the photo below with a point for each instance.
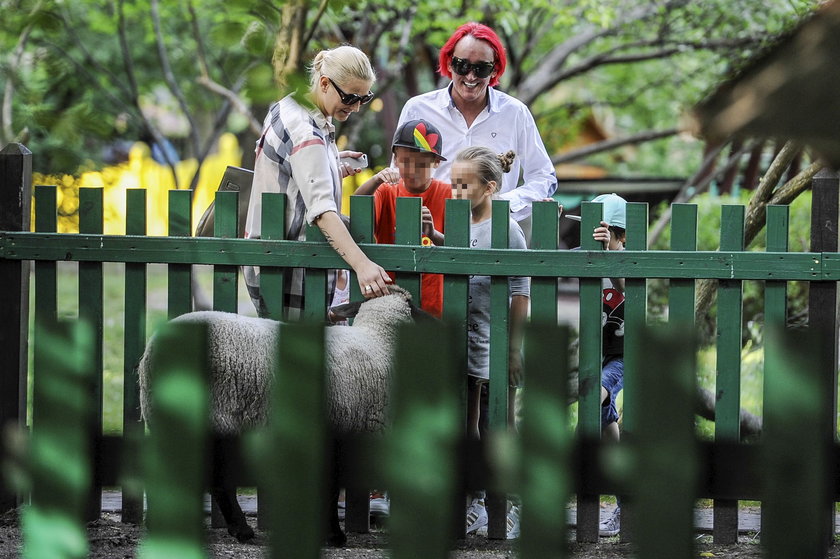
(128, 62)
(613, 143)
(172, 84)
(234, 99)
(698, 184)
(322, 7)
(199, 41)
(88, 57)
(756, 217)
(9, 88)
(542, 80)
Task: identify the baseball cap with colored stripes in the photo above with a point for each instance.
(419, 135)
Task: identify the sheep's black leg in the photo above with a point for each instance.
(335, 536)
(238, 527)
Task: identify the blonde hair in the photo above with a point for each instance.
(340, 64)
(489, 166)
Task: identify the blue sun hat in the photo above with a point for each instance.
(614, 209)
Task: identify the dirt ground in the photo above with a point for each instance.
(109, 539)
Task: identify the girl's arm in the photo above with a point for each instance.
(518, 314)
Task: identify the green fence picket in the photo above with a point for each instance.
(728, 381)
(456, 287)
(775, 292)
(361, 229)
(91, 312)
(544, 237)
(290, 454)
(133, 344)
(175, 456)
(589, 379)
(315, 284)
(273, 279)
(179, 286)
(635, 319)
(795, 460)
(357, 500)
(46, 282)
(60, 454)
(226, 278)
(683, 237)
(635, 311)
(498, 391)
(421, 447)
(455, 311)
(546, 441)
(663, 453)
(408, 234)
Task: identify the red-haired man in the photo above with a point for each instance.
(470, 111)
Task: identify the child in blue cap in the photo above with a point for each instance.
(612, 235)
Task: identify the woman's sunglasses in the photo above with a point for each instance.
(480, 69)
(352, 98)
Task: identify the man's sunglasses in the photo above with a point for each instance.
(480, 69)
(352, 98)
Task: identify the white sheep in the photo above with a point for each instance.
(241, 355)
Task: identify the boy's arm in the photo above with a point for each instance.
(388, 174)
(518, 314)
(428, 226)
(606, 238)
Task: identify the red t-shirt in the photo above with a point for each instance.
(434, 198)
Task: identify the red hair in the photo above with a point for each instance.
(479, 31)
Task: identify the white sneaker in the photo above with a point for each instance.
(612, 525)
(513, 523)
(476, 516)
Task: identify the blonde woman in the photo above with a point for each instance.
(297, 155)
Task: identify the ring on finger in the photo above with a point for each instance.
(368, 288)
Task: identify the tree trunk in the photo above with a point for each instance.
(757, 213)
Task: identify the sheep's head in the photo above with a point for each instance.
(396, 304)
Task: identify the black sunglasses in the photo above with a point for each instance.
(352, 98)
(480, 69)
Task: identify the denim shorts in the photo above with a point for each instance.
(612, 378)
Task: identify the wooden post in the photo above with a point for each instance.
(15, 208)
(822, 300)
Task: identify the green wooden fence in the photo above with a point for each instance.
(659, 469)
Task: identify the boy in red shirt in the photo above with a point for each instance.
(416, 148)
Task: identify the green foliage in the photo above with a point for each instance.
(632, 72)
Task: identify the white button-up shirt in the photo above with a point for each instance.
(504, 124)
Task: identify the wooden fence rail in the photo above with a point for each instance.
(660, 469)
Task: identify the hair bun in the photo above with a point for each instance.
(506, 160)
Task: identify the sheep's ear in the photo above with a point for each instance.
(347, 310)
